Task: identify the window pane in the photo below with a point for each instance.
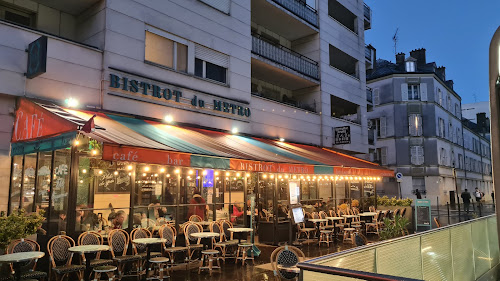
(60, 186)
(16, 180)
(159, 49)
(29, 182)
(43, 180)
(198, 67)
(215, 72)
(182, 57)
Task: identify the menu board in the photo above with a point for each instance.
(113, 181)
(294, 188)
(423, 213)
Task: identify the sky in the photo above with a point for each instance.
(455, 33)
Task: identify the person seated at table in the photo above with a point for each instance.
(117, 219)
(198, 206)
(155, 210)
(85, 219)
(237, 212)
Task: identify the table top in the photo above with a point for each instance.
(335, 218)
(22, 256)
(318, 220)
(240, 229)
(204, 222)
(368, 214)
(89, 248)
(204, 234)
(350, 216)
(291, 269)
(146, 241)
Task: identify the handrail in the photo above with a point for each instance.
(351, 273)
(284, 48)
(287, 4)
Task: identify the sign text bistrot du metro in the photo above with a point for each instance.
(342, 135)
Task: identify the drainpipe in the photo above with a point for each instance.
(494, 81)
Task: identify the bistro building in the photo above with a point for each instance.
(122, 108)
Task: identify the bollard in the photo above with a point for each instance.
(448, 207)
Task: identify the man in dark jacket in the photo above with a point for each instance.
(466, 198)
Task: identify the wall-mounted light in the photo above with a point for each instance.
(169, 119)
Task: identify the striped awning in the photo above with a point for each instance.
(127, 138)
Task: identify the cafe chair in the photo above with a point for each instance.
(227, 242)
(93, 238)
(323, 215)
(372, 209)
(168, 233)
(286, 256)
(60, 258)
(118, 240)
(140, 249)
(28, 269)
(436, 221)
(242, 253)
(148, 223)
(207, 261)
(374, 226)
(301, 228)
(403, 214)
(192, 243)
(195, 218)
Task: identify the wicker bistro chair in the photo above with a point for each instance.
(140, 249)
(195, 218)
(118, 240)
(168, 233)
(27, 268)
(374, 226)
(93, 238)
(61, 257)
(288, 256)
(403, 213)
(227, 243)
(192, 243)
(301, 228)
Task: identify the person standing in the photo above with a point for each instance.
(417, 193)
(466, 198)
(478, 194)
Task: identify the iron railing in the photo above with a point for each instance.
(284, 56)
(300, 9)
(367, 12)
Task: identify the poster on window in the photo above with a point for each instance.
(294, 188)
(342, 135)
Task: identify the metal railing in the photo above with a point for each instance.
(351, 273)
(311, 107)
(368, 53)
(284, 56)
(300, 9)
(469, 250)
(367, 12)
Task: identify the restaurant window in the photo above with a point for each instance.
(341, 192)
(166, 52)
(16, 181)
(28, 193)
(43, 180)
(60, 186)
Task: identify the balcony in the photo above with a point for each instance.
(281, 66)
(368, 17)
(310, 107)
(292, 19)
(369, 95)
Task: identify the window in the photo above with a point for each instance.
(342, 15)
(344, 109)
(415, 125)
(440, 97)
(417, 155)
(452, 158)
(343, 62)
(221, 5)
(17, 16)
(413, 92)
(410, 66)
(382, 155)
(460, 161)
(441, 128)
(442, 157)
(418, 183)
(211, 64)
(166, 52)
(450, 131)
(457, 110)
(448, 104)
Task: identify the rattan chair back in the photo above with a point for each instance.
(168, 233)
(195, 218)
(118, 240)
(189, 229)
(58, 250)
(24, 245)
(138, 233)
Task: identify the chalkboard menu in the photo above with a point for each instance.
(115, 180)
(423, 213)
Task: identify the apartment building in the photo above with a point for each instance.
(416, 128)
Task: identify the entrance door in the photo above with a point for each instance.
(452, 198)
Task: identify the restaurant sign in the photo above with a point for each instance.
(269, 167)
(144, 155)
(342, 135)
(173, 95)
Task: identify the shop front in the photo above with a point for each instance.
(98, 170)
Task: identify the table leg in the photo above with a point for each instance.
(148, 256)
(87, 267)
(17, 269)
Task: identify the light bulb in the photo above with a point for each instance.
(146, 169)
(129, 167)
(204, 172)
(116, 173)
(162, 170)
(84, 171)
(94, 151)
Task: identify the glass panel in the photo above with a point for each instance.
(341, 192)
(283, 198)
(368, 195)
(29, 182)
(215, 72)
(360, 260)
(182, 57)
(493, 240)
(60, 187)
(16, 180)
(43, 180)
(159, 49)
(462, 252)
(389, 259)
(198, 67)
(436, 256)
(481, 247)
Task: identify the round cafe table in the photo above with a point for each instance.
(18, 258)
(240, 230)
(148, 242)
(334, 219)
(205, 236)
(369, 215)
(86, 250)
(350, 218)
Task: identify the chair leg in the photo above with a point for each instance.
(97, 276)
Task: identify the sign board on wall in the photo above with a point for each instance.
(37, 57)
(342, 135)
(294, 188)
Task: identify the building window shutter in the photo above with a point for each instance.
(412, 128)
(404, 91)
(221, 5)
(420, 155)
(383, 155)
(376, 96)
(209, 55)
(423, 91)
(413, 154)
(383, 127)
(419, 125)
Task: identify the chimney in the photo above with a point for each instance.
(400, 58)
(441, 72)
(482, 123)
(449, 83)
(419, 55)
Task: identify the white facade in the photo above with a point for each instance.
(89, 41)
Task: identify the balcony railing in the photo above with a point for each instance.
(368, 53)
(300, 9)
(369, 95)
(284, 56)
(368, 12)
(311, 107)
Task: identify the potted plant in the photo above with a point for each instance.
(394, 229)
(18, 225)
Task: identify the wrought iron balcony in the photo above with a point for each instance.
(300, 9)
(284, 56)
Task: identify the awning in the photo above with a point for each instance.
(126, 138)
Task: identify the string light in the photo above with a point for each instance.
(272, 176)
(294, 177)
(129, 174)
(301, 177)
(238, 175)
(162, 170)
(129, 167)
(248, 175)
(169, 118)
(116, 173)
(190, 172)
(286, 176)
(76, 142)
(228, 174)
(282, 139)
(341, 178)
(168, 175)
(279, 176)
(350, 178)
(156, 175)
(204, 172)
(100, 172)
(264, 176)
(177, 171)
(146, 169)
(84, 171)
(94, 151)
(143, 174)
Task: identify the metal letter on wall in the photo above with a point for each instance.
(37, 57)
